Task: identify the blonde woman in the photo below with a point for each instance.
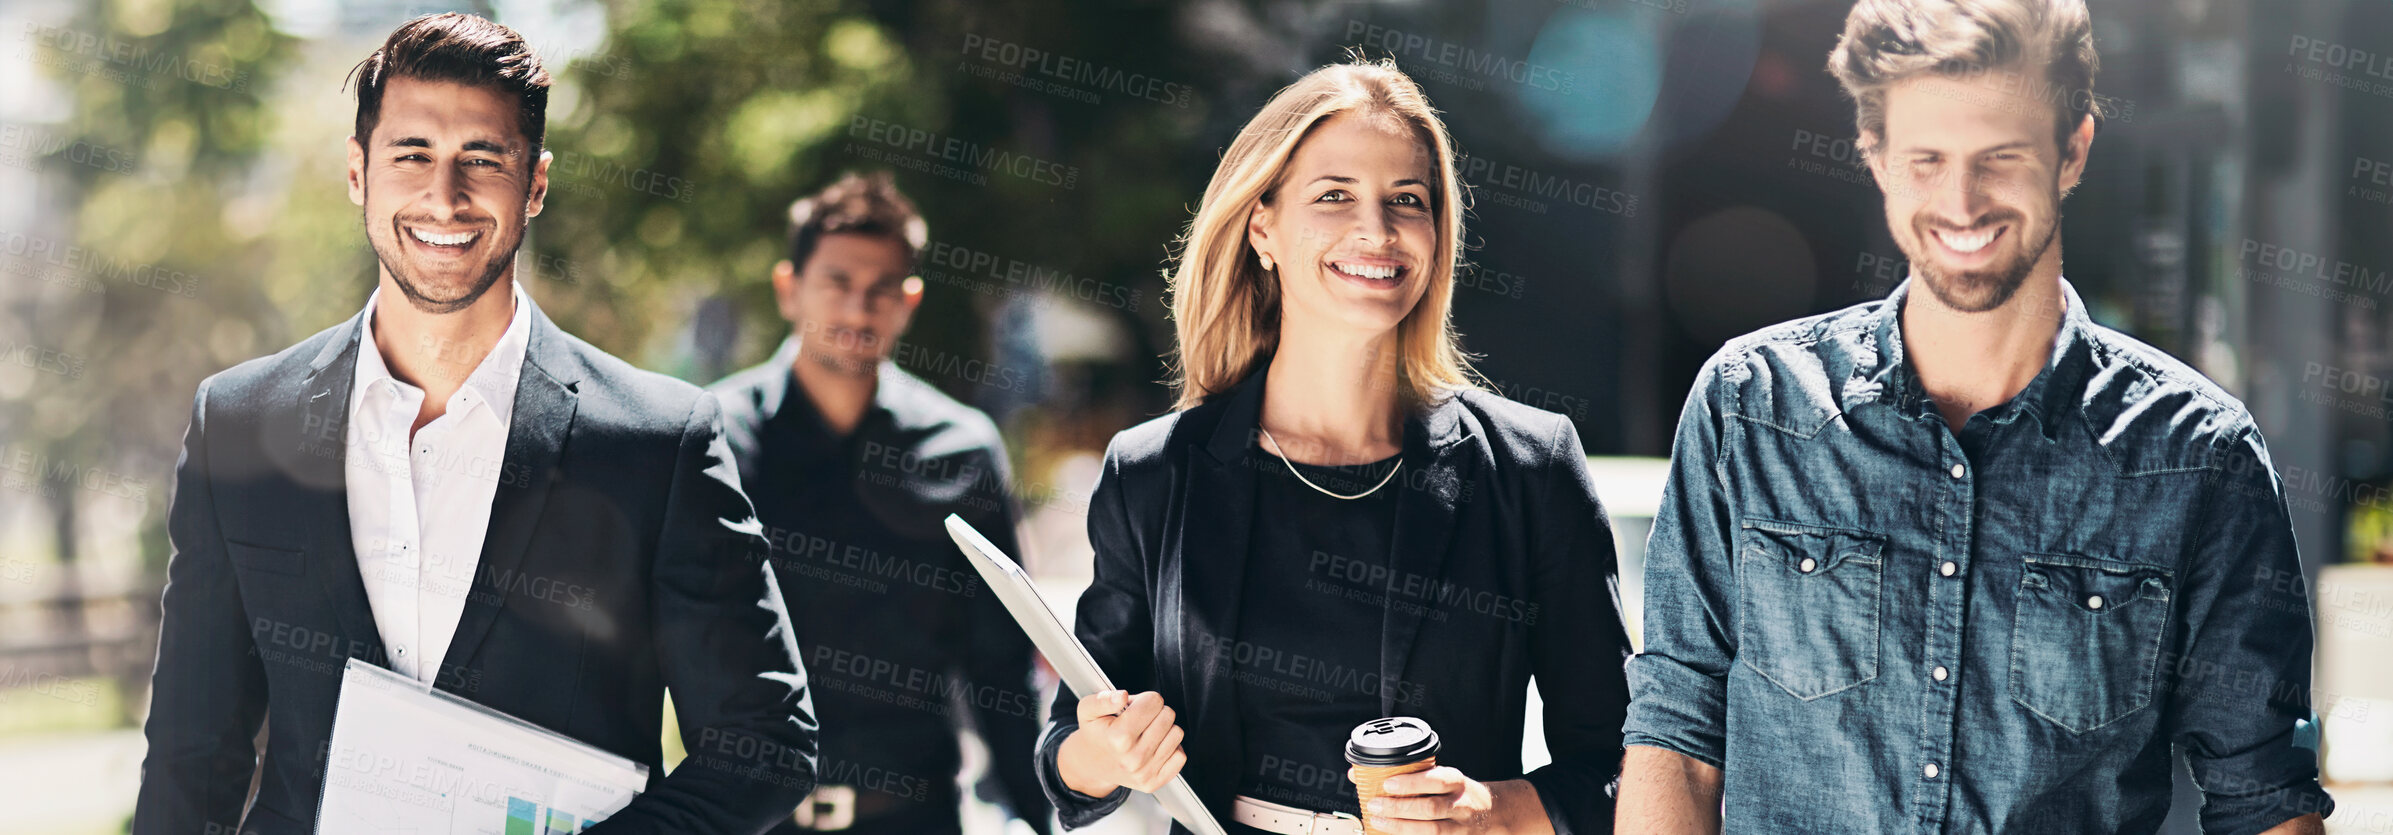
(1337, 524)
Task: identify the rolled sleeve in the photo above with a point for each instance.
(1678, 684)
(2241, 678)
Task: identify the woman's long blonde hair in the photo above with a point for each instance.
(1226, 308)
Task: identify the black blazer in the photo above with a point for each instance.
(1503, 518)
(621, 558)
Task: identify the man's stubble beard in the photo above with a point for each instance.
(413, 291)
(1978, 291)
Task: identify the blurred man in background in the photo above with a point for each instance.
(854, 464)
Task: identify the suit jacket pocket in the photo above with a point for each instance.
(262, 558)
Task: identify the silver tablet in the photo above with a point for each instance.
(1072, 661)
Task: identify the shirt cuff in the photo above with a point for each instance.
(1073, 809)
(1676, 707)
(2256, 790)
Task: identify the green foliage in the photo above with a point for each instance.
(738, 108)
(170, 113)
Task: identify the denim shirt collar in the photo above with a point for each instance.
(1887, 377)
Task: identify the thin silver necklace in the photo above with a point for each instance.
(1383, 481)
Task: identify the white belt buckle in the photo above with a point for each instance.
(827, 809)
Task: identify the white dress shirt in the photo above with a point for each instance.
(418, 511)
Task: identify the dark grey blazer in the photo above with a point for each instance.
(621, 558)
(1499, 534)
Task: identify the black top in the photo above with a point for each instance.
(1500, 567)
(897, 628)
(620, 561)
(1303, 684)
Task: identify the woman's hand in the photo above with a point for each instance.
(1442, 800)
(1123, 740)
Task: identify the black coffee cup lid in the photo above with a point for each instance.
(1395, 740)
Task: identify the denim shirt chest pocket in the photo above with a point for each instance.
(2085, 638)
(1808, 605)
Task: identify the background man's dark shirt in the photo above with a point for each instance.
(898, 629)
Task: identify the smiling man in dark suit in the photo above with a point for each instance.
(450, 486)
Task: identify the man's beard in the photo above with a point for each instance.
(1981, 290)
(394, 259)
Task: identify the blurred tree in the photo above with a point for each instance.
(151, 164)
(681, 142)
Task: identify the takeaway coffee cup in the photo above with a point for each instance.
(1383, 748)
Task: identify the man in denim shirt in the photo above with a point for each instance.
(1962, 560)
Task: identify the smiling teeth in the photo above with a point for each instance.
(1360, 271)
(1966, 243)
(442, 240)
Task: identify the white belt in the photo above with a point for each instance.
(1289, 820)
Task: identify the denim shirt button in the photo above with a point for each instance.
(1939, 673)
(1948, 568)
(1807, 565)
(1930, 771)
(2094, 602)
(1959, 471)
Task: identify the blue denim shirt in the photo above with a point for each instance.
(1874, 624)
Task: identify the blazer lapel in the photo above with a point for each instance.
(320, 473)
(1426, 503)
(1220, 501)
(543, 416)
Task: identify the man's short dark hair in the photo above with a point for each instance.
(461, 48)
(859, 204)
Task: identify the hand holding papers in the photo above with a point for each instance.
(406, 760)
